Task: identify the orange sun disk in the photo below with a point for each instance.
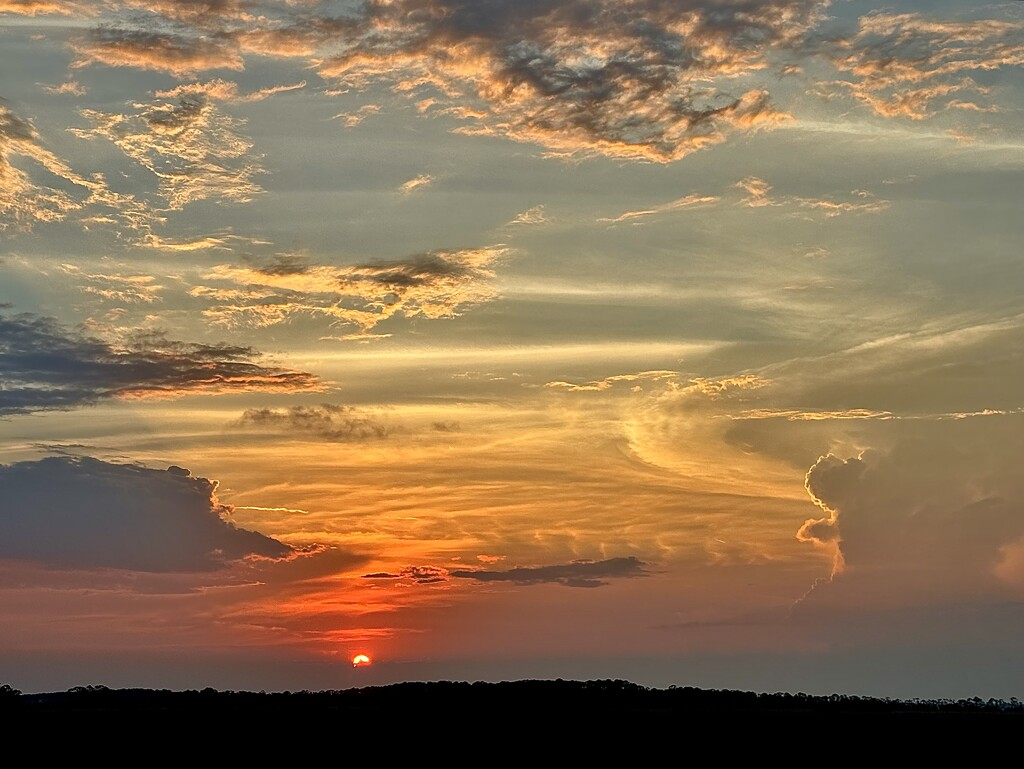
(359, 660)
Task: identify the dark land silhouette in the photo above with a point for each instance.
(538, 699)
(529, 723)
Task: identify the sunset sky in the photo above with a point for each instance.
(678, 341)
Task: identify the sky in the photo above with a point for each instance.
(676, 341)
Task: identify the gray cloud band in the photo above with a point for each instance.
(45, 366)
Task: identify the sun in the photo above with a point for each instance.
(360, 660)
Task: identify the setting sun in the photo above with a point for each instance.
(360, 660)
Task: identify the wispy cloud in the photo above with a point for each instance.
(907, 65)
(530, 217)
(22, 201)
(416, 183)
(45, 366)
(438, 284)
(607, 383)
(193, 148)
(859, 201)
(126, 289)
(678, 204)
(71, 88)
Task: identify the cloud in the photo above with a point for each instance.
(759, 196)
(26, 200)
(758, 192)
(574, 574)
(352, 119)
(197, 12)
(437, 284)
(906, 65)
(126, 289)
(227, 91)
(83, 513)
(607, 383)
(23, 201)
(40, 7)
(421, 575)
(187, 142)
(178, 55)
(674, 205)
(416, 183)
(654, 80)
(70, 87)
(937, 517)
(45, 366)
(331, 422)
(531, 216)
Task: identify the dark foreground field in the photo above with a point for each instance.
(587, 712)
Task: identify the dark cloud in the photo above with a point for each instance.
(45, 366)
(281, 264)
(421, 575)
(83, 513)
(336, 423)
(574, 574)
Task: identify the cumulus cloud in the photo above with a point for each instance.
(194, 148)
(44, 366)
(328, 421)
(437, 284)
(655, 80)
(938, 516)
(83, 513)
(574, 574)
(907, 65)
